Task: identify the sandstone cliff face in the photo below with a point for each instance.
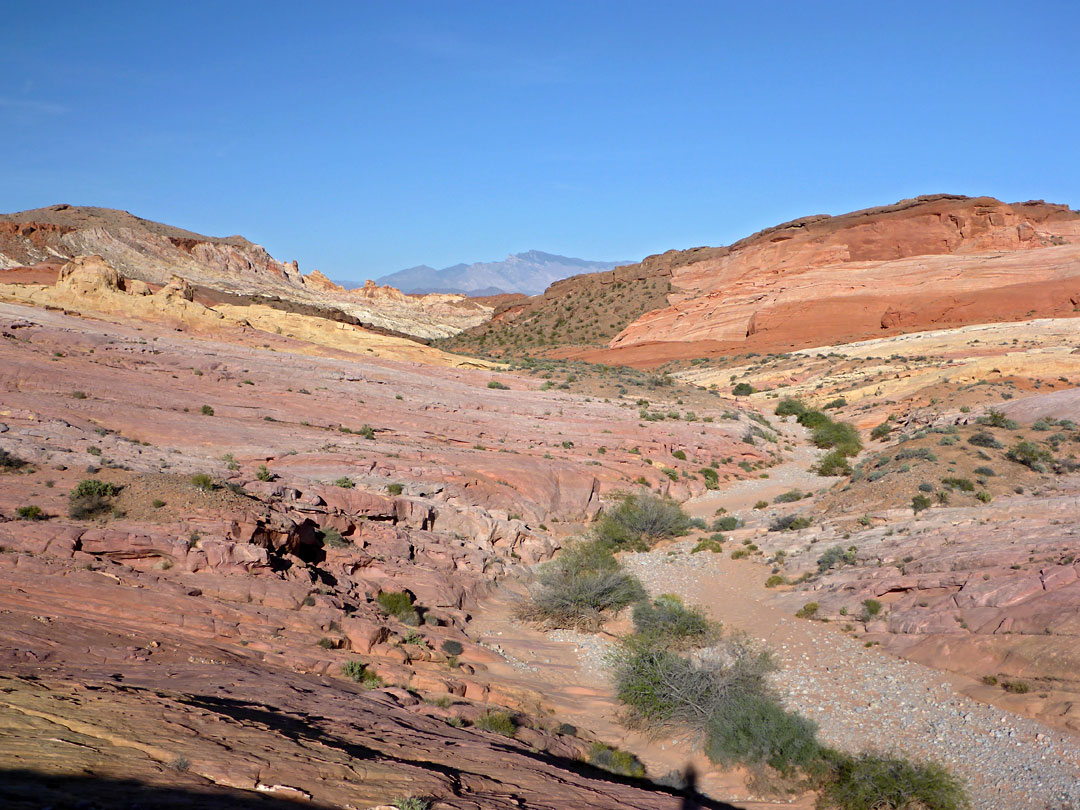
(154, 253)
(932, 261)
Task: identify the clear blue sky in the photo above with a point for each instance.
(361, 138)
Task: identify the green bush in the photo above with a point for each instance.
(395, 489)
(32, 512)
(411, 803)
(495, 384)
(790, 523)
(962, 484)
(919, 503)
(997, 419)
(751, 728)
(263, 473)
(615, 760)
(833, 463)
(202, 482)
(882, 431)
(667, 622)
(679, 454)
(367, 431)
(332, 538)
(984, 439)
(872, 782)
(399, 604)
(743, 390)
(90, 498)
(836, 557)
(1030, 455)
(640, 520)
(807, 611)
(10, 462)
(789, 406)
(839, 402)
(345, 482)
(711, 477)
(813, 419)
(727, 523)
(451, 647)
(839, 436)
(581, 587)
(985, 472)
(871, 608)
(924, 453)
(206, 410)
(358, 671)
(789, 497)
(498, 722)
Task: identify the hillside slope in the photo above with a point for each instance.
(153, 252)
(931, 262)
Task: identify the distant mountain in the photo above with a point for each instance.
(530, 273)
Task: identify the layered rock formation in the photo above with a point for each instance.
(926, 263)
(153, 253)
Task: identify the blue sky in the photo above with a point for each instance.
(362, 138)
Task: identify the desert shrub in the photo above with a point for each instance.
(679, 454)
(919, 503)
(839, 402)
(1016, 687)
(871, 608)
(202, 482)
(833, 463)
(790, 523)
(32, 512)
(837, 435)
(1030, 455)
(985, 472)
(997, 419)
(984, 439)
(399, 604)
(263, 473)
(789, 406)
(345, 482)
(754, 728)
(358, 671)
(498, 386)
(395, 489)
(984, 496)
(836, 557)
(331, 538)
(615, 760)
(581, 587)
(498, 722)
(743, 390)
(775, 580)
(367, 431)
(925, 487)
(882, 431)
(761, 505)
(662, 689)
(92, 486)
(709, 544)
(90, 498)
(813, 419)
(206, 410)
(411, 803)
(807, 611)
(948, 441)
(962, 484)
(872, 782)
(726, 523)
(711, 477)
(924, 453)
(451, 647)
(9, 461)
(790, 496)
(640, 520)
(667, 622)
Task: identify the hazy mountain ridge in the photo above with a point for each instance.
(530, 272)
